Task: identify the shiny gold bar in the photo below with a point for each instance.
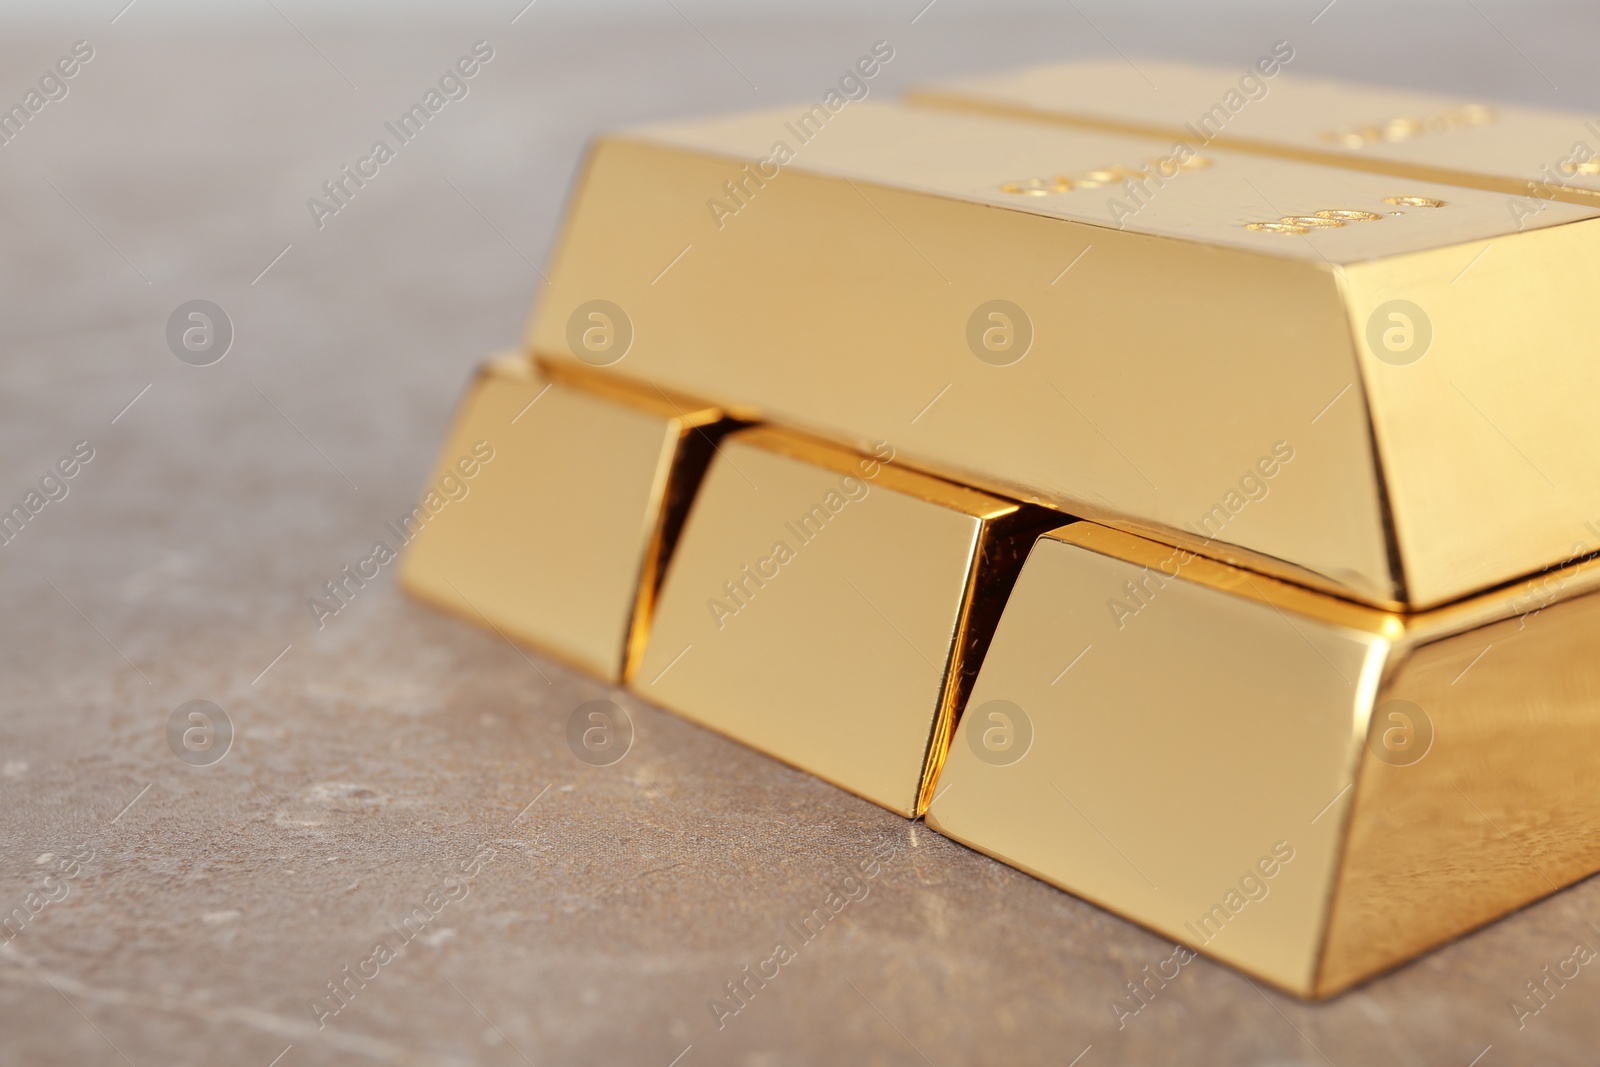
(578, 487)
(1379, 397)
(830, 608)
(1311, 790)
(1529, 155)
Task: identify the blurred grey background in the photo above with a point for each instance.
(375, 756)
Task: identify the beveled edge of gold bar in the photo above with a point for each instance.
(508, 364)
(668, 403)
(698, 426)
(511, 366)
(1007, 531)
(1405, 630)
(630, 388)
(1248, 560)
(842, 459)
(1226, 578)
(1521, 187)
(1004, 545)
(1570, 580)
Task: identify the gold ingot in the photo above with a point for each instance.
(1140, 365)
(558, 538)
(830, 609)
(1528, 153)
(1311, 790)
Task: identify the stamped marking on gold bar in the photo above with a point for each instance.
(1184, 158)
(1415, 201)
(1406, 127)
(1332, 218)
(1345, 215)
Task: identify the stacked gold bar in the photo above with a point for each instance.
(1182, 495)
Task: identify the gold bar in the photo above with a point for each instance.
(830, 609)
(1393, 366)
(578, 487)
(1311, 790)
(1531, 155)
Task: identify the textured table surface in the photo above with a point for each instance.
(387, 762)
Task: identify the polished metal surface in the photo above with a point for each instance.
(555, 536)
(1152, 391)
(820, 607)
(1159, 753)
(1309, 789)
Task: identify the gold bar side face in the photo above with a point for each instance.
(558, 539)
(827, 608)
(1476, 792)
(1531, 154)
(1376, 784)
(1090, 420)
(1168, 370)
(1163, 749)
(1485, 431)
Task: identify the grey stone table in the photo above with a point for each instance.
(397, 776)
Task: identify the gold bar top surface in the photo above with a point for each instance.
(1529, 153)
(1210, 195)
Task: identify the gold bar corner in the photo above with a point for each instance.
(559, 539)
(1311, 790)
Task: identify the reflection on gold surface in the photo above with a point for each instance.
(1175, 746)
(557, 544)
(1156, 353)
(1497, 813)
(821, 607)
(1426, 771)
(1491, 466)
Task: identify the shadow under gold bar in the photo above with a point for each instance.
(577, 488)
(1311, 790)
(1370, 385)
(1531, 155)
